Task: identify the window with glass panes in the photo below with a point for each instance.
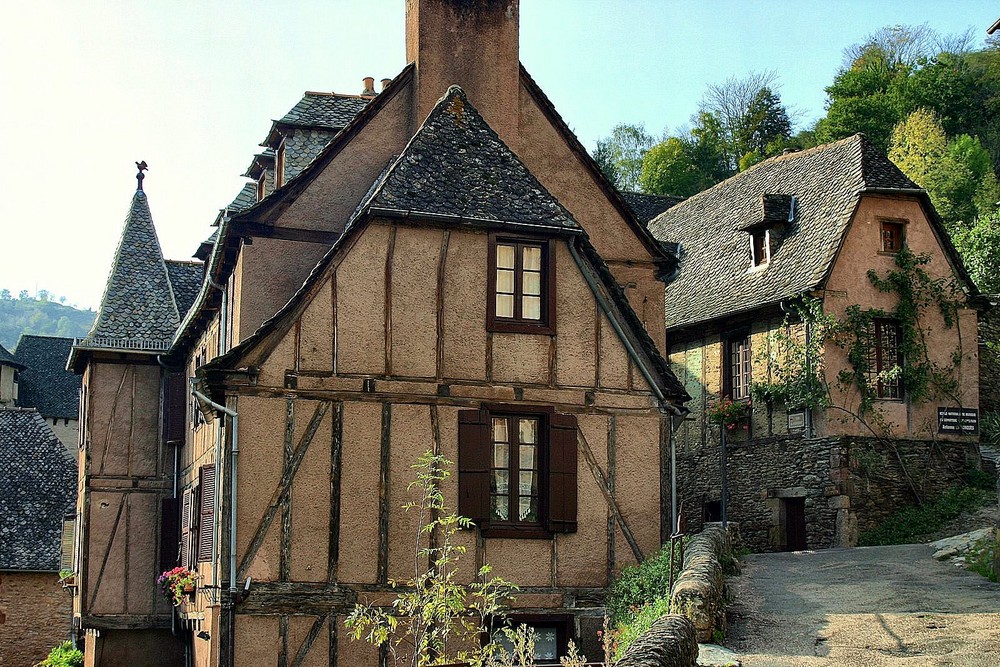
(739, 371)
(885, 359)
(514, 485)
(520, 276)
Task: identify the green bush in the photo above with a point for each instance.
(989, 429)
(904, 526)
(641, 620)
(63, 655)
(982, 557)
(638, 585)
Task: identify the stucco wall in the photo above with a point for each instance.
(34, 616)
(8, 389)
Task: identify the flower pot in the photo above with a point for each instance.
(189, 589)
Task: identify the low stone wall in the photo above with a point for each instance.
(846, 484)
(35, 616)
(699, 592)
(669, 642)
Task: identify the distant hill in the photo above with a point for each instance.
(28, 315)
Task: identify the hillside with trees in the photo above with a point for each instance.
(930, 101)
(41, 314)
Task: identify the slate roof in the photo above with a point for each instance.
(456, 165)
(138, 309)
(646, 207)
(330, 110)
(185, 281)
(8, 359)
(715, 279)
(37, 488)
(246, 198)
(45, 384)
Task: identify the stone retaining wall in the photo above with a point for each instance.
(699, 592)
(847, 484)
(669, 642)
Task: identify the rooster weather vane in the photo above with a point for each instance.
(141, 166)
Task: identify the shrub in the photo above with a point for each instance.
(63, 655)
(641, 620)
(904, 526)
(639, 584)
(982, 556)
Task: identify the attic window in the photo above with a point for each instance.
(522, 282)
(760, 247)
(892, 235)
(261, 187)
(279, 166)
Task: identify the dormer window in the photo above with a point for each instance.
(760, 247)
(892, 235)
(262, 186)
(279, 166)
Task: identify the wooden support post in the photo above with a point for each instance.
(383, 497)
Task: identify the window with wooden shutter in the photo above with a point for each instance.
(206, 523)
(174, 407)
(169, 533)
(186, 504)
(517, 471)
(473, 465)
(562, 482)
(66, 543)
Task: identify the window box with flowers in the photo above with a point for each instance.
(734, 416)
(178, 583)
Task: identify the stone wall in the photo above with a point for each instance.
(699, 592)
(847, 484)
(35, 616)
(669, 642)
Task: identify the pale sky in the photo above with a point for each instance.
(89, 87)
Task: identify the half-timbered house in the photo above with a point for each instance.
(449, 272)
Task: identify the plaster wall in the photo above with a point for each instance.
(68, 432)
(849, 284)
(8, 388)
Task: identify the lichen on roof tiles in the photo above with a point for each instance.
(715, 279)
(138, 309)
(457, 165)
(37, 489)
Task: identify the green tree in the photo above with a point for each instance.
(669, 169)
(918, 144)
(979, 246)
(620, 154)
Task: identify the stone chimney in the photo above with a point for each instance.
(369, 85)
(385, 82)
(470, 43)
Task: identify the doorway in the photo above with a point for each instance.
(795, 523)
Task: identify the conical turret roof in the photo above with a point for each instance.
(138, 311)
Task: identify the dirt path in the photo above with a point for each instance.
(871, 606)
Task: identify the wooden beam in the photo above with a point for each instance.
(257, 230)
(297, 597)
(285, 549)
(439, 304)
(307, 643)
(284, 488)
(336, 452)
(612, 532)
(602, 483)
(388, 300)
(383, 497)
(283, 640)
(107, 552)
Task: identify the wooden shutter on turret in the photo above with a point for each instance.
(562, 489)
(174, 408)
(474, 466)
(169, 533)
(186, 528)
(206, 524)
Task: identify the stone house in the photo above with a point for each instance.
(9, 369)
(47, 386)
(37, 491)
(438, 266)
(813, 225)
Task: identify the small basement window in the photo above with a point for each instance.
(892, 235)
(760, 247)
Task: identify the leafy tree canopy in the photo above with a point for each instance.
(620, 155)
(42, 315)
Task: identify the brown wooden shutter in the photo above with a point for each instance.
(186, 528)
(169, 519)
(67, 542)
(474, 466)
(206, 524)
(174, 407)
(562, 489)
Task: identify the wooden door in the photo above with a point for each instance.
(795, 524)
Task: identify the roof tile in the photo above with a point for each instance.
(45, 384)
